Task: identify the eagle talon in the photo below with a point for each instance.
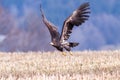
(63, 53)
(71, 53)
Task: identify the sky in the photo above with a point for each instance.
(100, 32)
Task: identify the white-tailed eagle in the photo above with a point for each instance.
(78, 17)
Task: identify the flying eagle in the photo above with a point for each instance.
(78, 17)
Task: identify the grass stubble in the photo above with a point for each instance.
(84, 65)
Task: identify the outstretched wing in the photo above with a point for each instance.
(78, 17)
(52, 28)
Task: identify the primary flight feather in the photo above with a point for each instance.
(78, 17)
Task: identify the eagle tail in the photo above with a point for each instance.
(69, 45)
(73, 44)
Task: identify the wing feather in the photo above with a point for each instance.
(51, 27)
(78, 17)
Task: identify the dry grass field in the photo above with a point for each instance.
(84, 65)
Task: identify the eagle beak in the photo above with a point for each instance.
(51, 43)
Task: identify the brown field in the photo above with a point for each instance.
(85, 65)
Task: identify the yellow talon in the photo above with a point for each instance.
(63, 53)
(71, 53)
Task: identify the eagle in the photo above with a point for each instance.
(59, 41)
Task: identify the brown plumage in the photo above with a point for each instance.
(78, 17)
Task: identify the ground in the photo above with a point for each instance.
(83, 65)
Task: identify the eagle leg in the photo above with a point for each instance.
(63, 53)
(71, 53)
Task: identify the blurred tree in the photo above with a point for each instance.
(31, 36)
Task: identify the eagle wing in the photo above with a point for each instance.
(78, 17)
(51, 27)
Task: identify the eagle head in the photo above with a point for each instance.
(52, 43)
